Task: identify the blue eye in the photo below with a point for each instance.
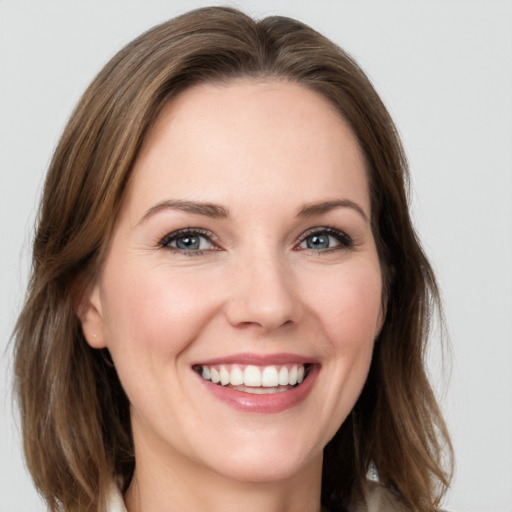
(325, 239)
(188, 240)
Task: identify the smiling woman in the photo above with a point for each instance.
(229, 307)
(219, 308)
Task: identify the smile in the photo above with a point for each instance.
(255, 379)
(254, 383)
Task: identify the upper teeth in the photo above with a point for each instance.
(254, 376)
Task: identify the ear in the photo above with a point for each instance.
(89, 312)
(388, 276)
(380, 320)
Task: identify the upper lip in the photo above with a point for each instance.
(258, 359)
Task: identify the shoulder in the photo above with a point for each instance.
(377, 498)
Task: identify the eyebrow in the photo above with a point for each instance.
(220, 212)
(326, 206)
(199, 208)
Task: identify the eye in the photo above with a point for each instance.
(325, 239)
(188, 241)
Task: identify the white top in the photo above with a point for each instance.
(377, 498)
(115, 502)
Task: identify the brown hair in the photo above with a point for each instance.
(75, 415)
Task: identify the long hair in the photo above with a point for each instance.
(74, 412)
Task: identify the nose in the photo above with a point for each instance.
(263, 295)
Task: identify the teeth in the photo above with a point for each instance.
(224, 376)
(254, 377)
(206, 373)
(283, 376)
(236, 377)
(215, 376)
(260, 391)
(292, 379)
(269, 377)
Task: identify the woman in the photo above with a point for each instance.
(229, 306)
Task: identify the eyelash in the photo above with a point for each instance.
(345, 241)
(190, 232)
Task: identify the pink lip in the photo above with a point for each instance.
(267, 403)
(258, 359)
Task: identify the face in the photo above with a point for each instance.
(241, 293)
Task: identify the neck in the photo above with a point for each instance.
(163, 484)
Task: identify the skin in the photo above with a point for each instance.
(263, 150)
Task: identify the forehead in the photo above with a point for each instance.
(264, 137)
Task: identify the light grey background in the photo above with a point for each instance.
(444, 69)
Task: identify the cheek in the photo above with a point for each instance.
(153, 309)
(349, 305)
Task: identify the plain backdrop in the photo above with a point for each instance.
(443, 68)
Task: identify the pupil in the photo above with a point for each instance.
(318, 242)
(188, 242)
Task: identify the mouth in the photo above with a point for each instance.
(254, 379)
(259, 383)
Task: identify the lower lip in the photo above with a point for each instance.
(267, 403)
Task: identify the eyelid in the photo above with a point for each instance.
(345, 240)
(173, 235)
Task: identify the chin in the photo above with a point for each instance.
(271, 457)
(266, 469)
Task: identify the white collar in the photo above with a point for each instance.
(115, 500)
(377, 499)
